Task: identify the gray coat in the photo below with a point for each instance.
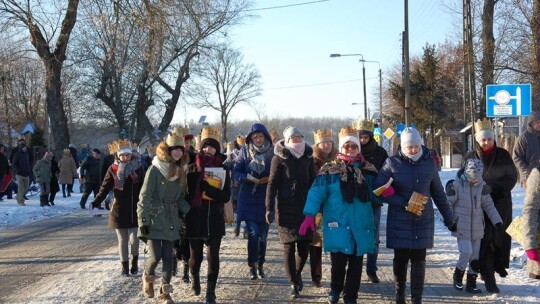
(531, 218)
(526, 154)
(468, 203)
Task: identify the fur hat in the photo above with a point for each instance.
(290, 131)
(348, 134)
(473, 168)
(410, 137)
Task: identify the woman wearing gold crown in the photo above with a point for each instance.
(209, 190)
(500, 175)
(125, 178)
(324, 150)
(161, 203)
(342, 191)
(291, 173)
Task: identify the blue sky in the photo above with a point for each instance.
(291, 47)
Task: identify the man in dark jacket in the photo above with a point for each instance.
(527, 148)
(91, 173)
(21, 167)
(376, 155)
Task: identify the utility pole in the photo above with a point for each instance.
(469, 78)
(406, 81)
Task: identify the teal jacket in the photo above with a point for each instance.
(346, 226)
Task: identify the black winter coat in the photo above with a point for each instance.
(207, 220)
(91, 170)
(21, 163)
(289, 182)
(123, 214)
(501, 175)
(54, 176)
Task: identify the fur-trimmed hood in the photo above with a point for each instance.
(320, 158)
(281, 151)
(162, 153)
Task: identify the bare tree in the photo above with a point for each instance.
(44, 28)
(225, 82)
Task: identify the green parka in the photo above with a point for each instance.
(161, 201)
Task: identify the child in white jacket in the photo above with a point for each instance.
(469, 197)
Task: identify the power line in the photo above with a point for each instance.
(319, 84)
(284, 6)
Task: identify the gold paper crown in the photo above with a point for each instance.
(241, 140)
(481, 125)
(176, 138)
(209, 132)
(364, 124)
(274, 134)
(67, 152)
(323, 135)
(348, 131)
(118, 145)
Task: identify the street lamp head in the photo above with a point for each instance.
(335, 55)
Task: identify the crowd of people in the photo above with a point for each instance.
(321, 197)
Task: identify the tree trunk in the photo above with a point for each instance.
(488, 53)
(535, 29)
(53, 85)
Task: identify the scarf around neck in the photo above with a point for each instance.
(258, 155)
(296, 149)
(124, 171)
(352, 181)
(163, 167)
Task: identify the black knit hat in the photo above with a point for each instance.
(96, 150)
(211, 142)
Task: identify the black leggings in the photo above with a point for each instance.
(212, 256)
(295, 264)
(160, 250)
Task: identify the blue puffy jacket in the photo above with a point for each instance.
(251, 202)
(405, 230)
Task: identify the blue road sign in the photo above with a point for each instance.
(401, 126)
(508, 100)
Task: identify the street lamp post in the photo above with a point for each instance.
(364, 83)
(363, 77)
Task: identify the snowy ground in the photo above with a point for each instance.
(515, 288)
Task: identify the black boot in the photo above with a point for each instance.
(185, 277)
(333, 297)
(299, 282)
(489, 282)
(43, 200)
(471, 284)
(174, 267)
(293, 294)
(134, 265)
(418, 274)
(210, 292)
(262, 274)
(458, 279)
(253, 272)
(125, 268)
(195, 283)
(400, 277)
(82, 203)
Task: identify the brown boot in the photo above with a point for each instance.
(165, 294)
(148, 285)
